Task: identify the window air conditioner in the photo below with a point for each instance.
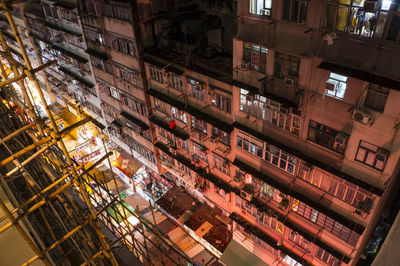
(382, 154)
(361, 117)
(266, 12)
(244, 66)
(370, 6)
(246, 195)
(290, 81)
(340, 141)
(329, 86)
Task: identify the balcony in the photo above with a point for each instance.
(202, 172)
(180, 133)
(193, 111)
(253, 230)
(284, 188)
(299, 154)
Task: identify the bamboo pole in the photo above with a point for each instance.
(19, 228)
(33, 156)
(17, 132)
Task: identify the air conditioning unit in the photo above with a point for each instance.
(371, 6)
(330, 86)
(340, 141)
(361, 116)
(266, 12)
(381, 154)
(246, 195)
(290, 81)
(244, 66)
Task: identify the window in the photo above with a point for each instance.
(199, 125)
(222, 136)
(175, 81)
(156, 74)
(357, 18)
(200, 152)
(336, 85)
(325, 222)
(121, 45)
(221, 164)
(295, 11)
(114, 93)
(286, 67)
(273, 223)
(117, 12)
(221, 102)
(376, 97)
(260, 7)
(178, 114)
(372, 155)
(299, 240)
(196, 89)
(256, 56)
(327, 257)
(253, 148)
(267, 192)
(327, 137)
(271, 111)
(280, 159)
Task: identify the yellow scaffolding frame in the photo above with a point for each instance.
(141, 238)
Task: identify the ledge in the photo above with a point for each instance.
(59, 28)
(135, 120)
(192, 111)
(362, 75)
(271, 96)
(97, 54)
(168, 67)
(309, 159)
(251, 229)
(289, 191)
(77, 77)
(176, 131)
(210, 177)
(71, 54)
(312, 238)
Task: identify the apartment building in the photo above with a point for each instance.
(56, 30)
(282, 114)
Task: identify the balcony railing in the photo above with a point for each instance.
(368, 21)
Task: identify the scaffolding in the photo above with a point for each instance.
(61, 209)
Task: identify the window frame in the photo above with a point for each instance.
(369, 150)
(339, 82)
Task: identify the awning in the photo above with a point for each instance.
(116, 123)
(362, 75)
(135, 120)
(98, 124)
(97, 54)
(237, 255)
(127, 164)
